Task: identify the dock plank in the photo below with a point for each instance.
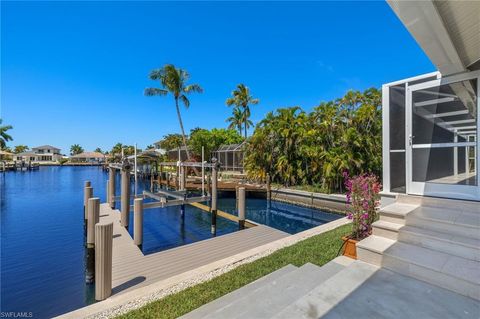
(132, 269)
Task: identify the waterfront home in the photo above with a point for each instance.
(88, 157)
(5, 156)
(423, 258)
(44, 153)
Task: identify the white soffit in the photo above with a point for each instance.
(447, 31)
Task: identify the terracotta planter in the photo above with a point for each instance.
(350, 248)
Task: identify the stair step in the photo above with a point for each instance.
(396, 212)
(276, 298)
(371, 249)
(461, 223)
(239, 293)
(451, 272)
(461, 246)
(273, 297)
(327, 295)
(386, 229)
(426, 201)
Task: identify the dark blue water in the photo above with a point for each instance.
(286, 217)
(42, 234)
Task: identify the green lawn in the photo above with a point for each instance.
(318, 250)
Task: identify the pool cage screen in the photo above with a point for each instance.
(230, 157)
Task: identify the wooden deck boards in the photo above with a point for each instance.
(132, 269)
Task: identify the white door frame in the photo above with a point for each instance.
(438, 189)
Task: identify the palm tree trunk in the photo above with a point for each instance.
(183, 135)
(182, 129)
(245, 120)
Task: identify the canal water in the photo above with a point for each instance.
(42, 234)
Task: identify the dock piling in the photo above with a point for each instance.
(93, 218)
(111, 193)
(103, 260)
(241, 207)
(214, 200)
(138, 221)
(125, 197)
(87, 194)
(107, 192)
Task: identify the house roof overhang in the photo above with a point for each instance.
(447, 31)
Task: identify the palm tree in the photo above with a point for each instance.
(236, 120)
(173, 80)
(75, 149)
(4, 137)
(117, 149)
(241, 98)
(20, 149)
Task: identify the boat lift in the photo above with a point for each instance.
(163, 198)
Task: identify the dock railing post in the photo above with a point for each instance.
(103, 260)
(125, 196)
(92, 220)
(87, 194)
(241, 207)
(111, 193)
(214, 197)
(138, 221)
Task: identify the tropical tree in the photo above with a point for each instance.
(4, 137)
(98, 150)
(20, 149)
(174, 81)
(316, 148)
(241, 98)
(75, 149)
(211, 140)
(149, 147)
(236, 120)
(171, 141)
(117, 149)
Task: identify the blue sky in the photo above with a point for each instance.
(75, 72)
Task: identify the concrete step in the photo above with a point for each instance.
(447, 203)
(458, 222)
(371, 249)
(239, 293)
(455, 245)
(437, 268)
(386, 229)
(396, 212)
(327, 295)
(273, 299)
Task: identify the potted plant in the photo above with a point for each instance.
(363, 200)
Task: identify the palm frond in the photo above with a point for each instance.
(184, 100)
(155, 92)
(193, 88)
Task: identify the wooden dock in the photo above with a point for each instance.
(132, 269)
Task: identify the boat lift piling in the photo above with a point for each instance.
(138, 221)
(125, 196)
(241, 207)
(92, 220)
(87, 194)
(214, 197)
(111, 186)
